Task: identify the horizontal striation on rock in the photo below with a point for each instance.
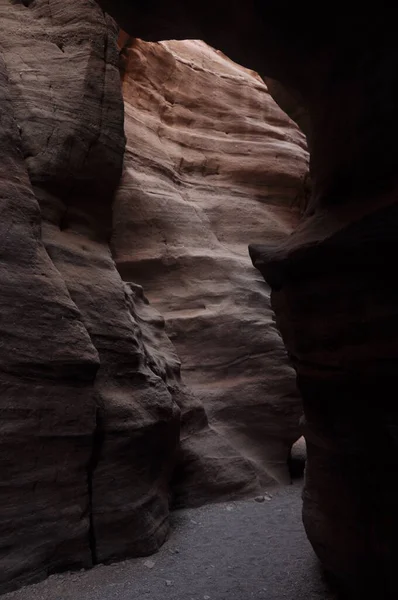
(47, 367)
(212, 163)
(99, 431)
(207, 467)
(137, 420)
(89, 431)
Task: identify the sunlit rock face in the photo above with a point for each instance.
(212, 163)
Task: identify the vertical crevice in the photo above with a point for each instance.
(98, 438)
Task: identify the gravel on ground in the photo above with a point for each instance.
(246, 550)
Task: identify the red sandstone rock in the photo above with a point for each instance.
(212, 162)
(92, 400)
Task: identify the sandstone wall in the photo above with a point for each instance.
(92, 401)
(211, 163)
(88, 430)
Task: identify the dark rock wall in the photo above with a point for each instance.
(336, 303)
(89, 430)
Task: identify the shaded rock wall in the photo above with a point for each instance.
(291, 103)
(48, 361)
(88, 430)
(211, 161)
(336, 304)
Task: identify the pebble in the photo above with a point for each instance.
(263, 498)
(168, 582)
(149, 564)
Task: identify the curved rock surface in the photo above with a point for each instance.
(88, 430)
(212, 162)
(92, 401)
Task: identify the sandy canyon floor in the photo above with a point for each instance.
(255, 549)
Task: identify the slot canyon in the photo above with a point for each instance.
(197, 215)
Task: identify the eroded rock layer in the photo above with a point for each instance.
(88, 430)
(212, 162)
(98, 431)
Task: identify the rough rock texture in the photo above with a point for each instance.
(48, 361)
(88, 430)
(207, 466)
(335, 294)
(92, 400)
(212, 162)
